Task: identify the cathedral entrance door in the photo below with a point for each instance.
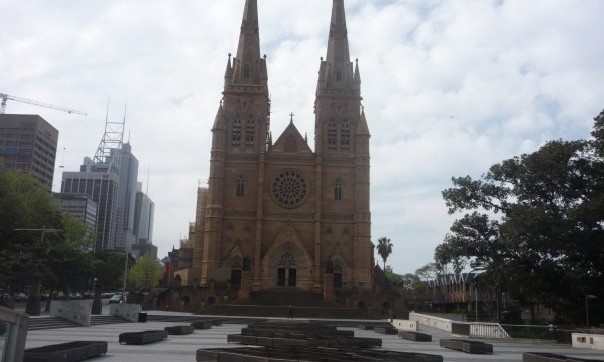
(286, 270)
(286, 277)
(291, 278)
(281, 277)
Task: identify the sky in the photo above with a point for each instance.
(450, 87)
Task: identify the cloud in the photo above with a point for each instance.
(449, 87)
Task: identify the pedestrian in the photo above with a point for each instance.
(290, 312)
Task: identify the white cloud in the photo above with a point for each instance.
(450, 87)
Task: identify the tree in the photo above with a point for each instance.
(535, 224)
(29, 254)
(108, 267)
(384, 248)
(146, 273)
(427, 272)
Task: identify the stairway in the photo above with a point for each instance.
(48, 323)
(98, 320)
(275, 303)
(284, 296)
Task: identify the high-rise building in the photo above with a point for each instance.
(82, 207)
(126, 198)
(100, 184)
(29, 143)
(143, 215)
(289, 215)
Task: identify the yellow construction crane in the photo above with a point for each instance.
(6, 97)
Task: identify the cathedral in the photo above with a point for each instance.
(278, 213)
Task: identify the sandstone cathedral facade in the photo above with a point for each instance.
(276, 213)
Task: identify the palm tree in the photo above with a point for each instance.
(384, 248)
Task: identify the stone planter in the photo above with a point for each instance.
(143, 337)
(415, 336)
(294, 354)
(385, 330)
(550, 357)
(179, 330)
(66, 352)
(472, 347)
(202, 325)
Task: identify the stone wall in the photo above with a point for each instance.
(125, 310)
(76, 311)
(591, 341)
(405, 325)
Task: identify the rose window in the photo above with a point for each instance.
(289, 188)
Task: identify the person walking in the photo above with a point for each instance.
(290, 312)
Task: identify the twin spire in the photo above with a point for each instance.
(248, 68)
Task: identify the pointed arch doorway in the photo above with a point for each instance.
(286, 270)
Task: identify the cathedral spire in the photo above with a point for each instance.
(337, 69)
(249, 67)
(337, 48)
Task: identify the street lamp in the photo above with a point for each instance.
(125, 275)
(587, 298)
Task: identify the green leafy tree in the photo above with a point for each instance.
(384, 248)
(534, 224)
(146, 273)
(391, 276)
(427, 272)
(34, 248)
(108, 268)
(412, 283)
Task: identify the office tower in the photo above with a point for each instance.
(29, 143)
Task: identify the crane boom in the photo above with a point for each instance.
(6, 97)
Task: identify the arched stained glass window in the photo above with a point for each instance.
(250, 131)
(338, 191)
(236, 132)
(240, 191)
(287, 260)
(345, 135)
(331, 135)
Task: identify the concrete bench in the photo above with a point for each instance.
(472, 347)
(66, 352)
(179, 330)
(415, 336)
(385, 330)
(300, 335)
(551, 357)
(202, 324)
(143, 337)
(309, 354)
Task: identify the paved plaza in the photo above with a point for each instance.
(183, 348)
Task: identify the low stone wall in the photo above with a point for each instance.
(405, 325)
(434, 322)
(76, 311)
(590, 341)
(125, 310)
(14, 325)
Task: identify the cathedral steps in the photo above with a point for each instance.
(284, 296)
(275, 303)
(282, 311)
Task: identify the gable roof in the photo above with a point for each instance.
(291, 141)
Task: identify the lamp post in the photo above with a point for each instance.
(125, 276)
(587, 298)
